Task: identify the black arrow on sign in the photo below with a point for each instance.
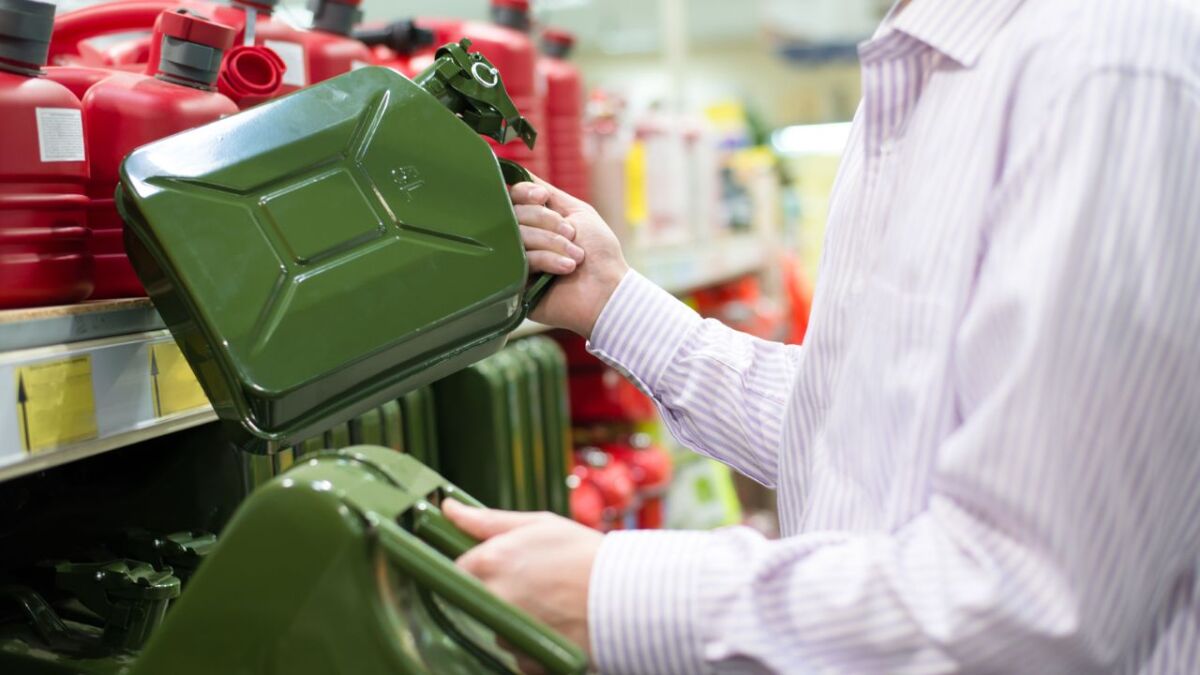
(22, 397)
(154, 382)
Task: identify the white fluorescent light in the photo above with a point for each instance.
(812, 139)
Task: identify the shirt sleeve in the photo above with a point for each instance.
(1062, 522)
(721, 392)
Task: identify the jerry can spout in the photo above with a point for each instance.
(471, 87)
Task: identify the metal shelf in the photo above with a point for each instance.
(63, 402)
(95, 361)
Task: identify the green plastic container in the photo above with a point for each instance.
(323, 253)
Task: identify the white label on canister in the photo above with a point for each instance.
(60, 134)
(292, 54)
(356, 64)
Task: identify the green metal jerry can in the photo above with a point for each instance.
(480, 432)
(344, 565)
(326, 252)
(556, 417)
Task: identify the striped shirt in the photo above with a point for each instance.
(987, 453)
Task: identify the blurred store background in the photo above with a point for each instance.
(708, 133)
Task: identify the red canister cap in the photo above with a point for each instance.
(519, 5)
(558, 36)
(192, 28)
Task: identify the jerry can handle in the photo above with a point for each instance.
(435, 529)
(515, 173)
(439, 574)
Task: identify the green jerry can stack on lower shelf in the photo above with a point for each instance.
(555, 411)
(513, 453)
(354, 275)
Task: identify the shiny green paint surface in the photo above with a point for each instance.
(393, 425)
(367, 428)
(316, 574)
(21, 653)
(338, 436)
(475, 433)
(537, 476)
(181, 551)
(556, 417)
(420, 426)
(364, 241)
(518, 405)
(131, 596)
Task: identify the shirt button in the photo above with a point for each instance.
(857, 287)
(886, 148)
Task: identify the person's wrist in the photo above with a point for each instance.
(606, 282)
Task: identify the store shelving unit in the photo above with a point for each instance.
(80, 380)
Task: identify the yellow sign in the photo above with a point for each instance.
(637, 205)
(55, 403)
(173, 386)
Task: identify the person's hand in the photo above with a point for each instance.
(539, 562)
(566, 236)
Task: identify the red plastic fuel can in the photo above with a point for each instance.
(606, 479)
(393, 45)
(78, 79)
(44, 258)
(650, 468)
(249, 74)
(563, 128)
(127, 110)
(506, 43)
(309, 56)
(328, 47)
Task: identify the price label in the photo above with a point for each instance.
(292, 53)
(55, 403)
(173, 385)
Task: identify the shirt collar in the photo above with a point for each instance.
(960, 29)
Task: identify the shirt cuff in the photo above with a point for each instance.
(640, 329)
(643, 602)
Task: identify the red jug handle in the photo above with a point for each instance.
(76, 26)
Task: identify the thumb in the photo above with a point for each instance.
(484, 523)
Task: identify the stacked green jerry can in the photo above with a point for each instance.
(483, 429)
(551, 372)
(514, 452)
(317, 262)
(420, 427)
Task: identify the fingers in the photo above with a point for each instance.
(544, 262)
(540, 240)
(536, 215)
(550, 252)
(484, 523)
(529, 193)
(541, 193)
